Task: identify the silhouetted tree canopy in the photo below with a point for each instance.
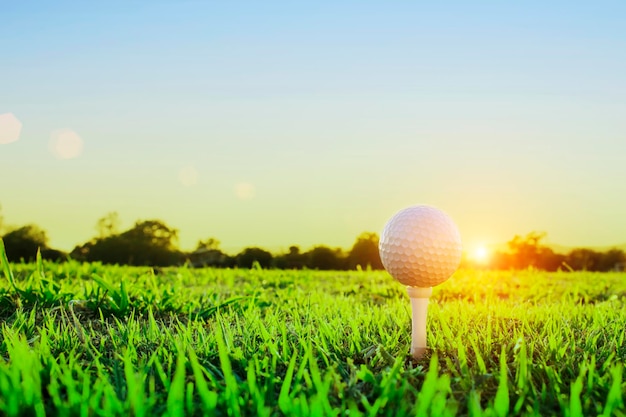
(149, 242)
(108, 225)
(153, 232)
(291, 260)
(207, 253)
(208, 244)
(23, 243)
(325, 258)
(247, 258)
(364, 252)
(613, 259)
(582, 259)
(529, 252)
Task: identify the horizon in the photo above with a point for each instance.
(310, 124)
(485, 251)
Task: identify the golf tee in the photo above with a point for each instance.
(419, 307)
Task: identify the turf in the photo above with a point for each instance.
(92, 340)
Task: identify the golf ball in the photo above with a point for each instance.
(420, 246)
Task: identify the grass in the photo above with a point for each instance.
(91, 340)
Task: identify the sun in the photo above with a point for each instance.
(481, 254)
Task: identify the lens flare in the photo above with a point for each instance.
(66, 144)
(10, 128)
(188, 176)
(244, 191)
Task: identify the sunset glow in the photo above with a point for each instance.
(324, 208)
(481, 254)
(295, 124)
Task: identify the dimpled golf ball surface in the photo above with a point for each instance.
(420, 246)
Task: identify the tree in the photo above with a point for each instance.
(152, 242)
(548, 260)
(23, 243)
(583, 259)
(153, 233)
(247, 258)
(365, 252)
(611, 260)
(525, 250)
(108, 250)
(325, 258)
(149, 242)
(291, 260)
(207, 253)
(208, 244)
(108, 225)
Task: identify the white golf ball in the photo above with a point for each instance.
(420, 246)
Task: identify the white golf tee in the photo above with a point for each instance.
(419, 306)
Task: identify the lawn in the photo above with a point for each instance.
(93, 340)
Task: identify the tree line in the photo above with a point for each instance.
(523, 252)
(154, 243)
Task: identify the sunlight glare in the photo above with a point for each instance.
(481, 254)
(66, 144)
(10, 128)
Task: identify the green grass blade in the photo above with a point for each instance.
(501, 402)
(232, 387)
(176, 394)
(427, 393)
(6, 267)
(284, 402)
(614, 399)
(207, 397)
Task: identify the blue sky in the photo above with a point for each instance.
(335, 114)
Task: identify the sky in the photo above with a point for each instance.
(278, 123)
